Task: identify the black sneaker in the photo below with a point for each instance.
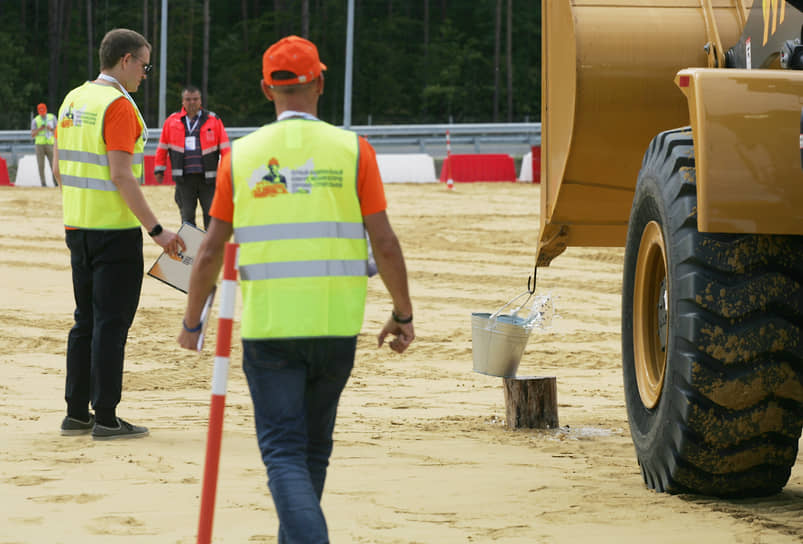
(71, 426)
(124, 429)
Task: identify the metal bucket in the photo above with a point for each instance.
(498, 341)
(479, 341)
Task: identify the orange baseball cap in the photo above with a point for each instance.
(295, 55)
(41, 108)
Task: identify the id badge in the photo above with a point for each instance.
(189, 143)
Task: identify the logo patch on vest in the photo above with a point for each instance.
(77, 117)
(273, 180)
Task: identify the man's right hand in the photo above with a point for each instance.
(170, 242)
(160, 176)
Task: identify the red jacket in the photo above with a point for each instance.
(214, 143)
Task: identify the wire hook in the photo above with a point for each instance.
(531, 290)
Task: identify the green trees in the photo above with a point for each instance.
(414, 61)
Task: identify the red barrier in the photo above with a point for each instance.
(150, 179)
(4, 179)
(448, 165)
(536, 152)
(465, 168)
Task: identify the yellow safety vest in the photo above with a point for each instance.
(90, 198)
(297, 219)
(46, 136)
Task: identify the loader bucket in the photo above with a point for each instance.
(607, 89)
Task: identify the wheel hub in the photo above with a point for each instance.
(663, 305)
(650, 315)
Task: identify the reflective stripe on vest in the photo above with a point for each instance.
(296, 231)
(88, 183)
(84, 156)
(302, 269)
(297, 218)
(95, 158)
(90, 198)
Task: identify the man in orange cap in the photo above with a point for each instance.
(299, 195)
(43, 128)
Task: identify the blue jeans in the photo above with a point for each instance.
(295, 387)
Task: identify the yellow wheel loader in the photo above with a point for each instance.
(670, 128)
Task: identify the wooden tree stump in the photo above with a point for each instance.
(531, 402)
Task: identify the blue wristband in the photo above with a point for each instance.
(194, 329)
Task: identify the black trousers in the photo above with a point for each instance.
(191, 189)
(107, 271)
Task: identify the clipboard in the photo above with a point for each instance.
(175, 271)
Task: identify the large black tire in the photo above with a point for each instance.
(712, 340)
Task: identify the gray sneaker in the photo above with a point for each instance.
(72, 427)
(124, 429)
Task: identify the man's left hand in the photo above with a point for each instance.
(187, 339)
(170, 242)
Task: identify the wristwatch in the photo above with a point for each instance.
(399, 320)
(157, 230)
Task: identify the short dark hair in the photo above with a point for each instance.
(190, 88)
(117, 43)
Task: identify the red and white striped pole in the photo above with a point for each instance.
(449, 180)
(220, 376)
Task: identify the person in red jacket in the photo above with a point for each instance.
(194, 139)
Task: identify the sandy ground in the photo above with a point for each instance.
(421, 455)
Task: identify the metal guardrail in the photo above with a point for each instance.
(515, 139)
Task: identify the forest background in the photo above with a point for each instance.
(416, 61)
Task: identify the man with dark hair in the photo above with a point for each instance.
(194, 139)
(303, 263)
(99, 158)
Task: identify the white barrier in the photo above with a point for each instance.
(526, 173)
(28, 173)
(406, 167)
(394, 168)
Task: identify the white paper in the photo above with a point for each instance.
(205, 315)
(189, 143)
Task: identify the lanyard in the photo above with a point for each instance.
(191, 129)
(112, 79)
(290, 113)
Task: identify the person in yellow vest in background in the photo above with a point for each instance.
(99, 161)
(298, 195)
(43, 129)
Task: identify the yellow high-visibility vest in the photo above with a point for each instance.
(46, 136)
(297, 219)
(90, 198)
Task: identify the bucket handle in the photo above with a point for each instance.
(510, 302)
